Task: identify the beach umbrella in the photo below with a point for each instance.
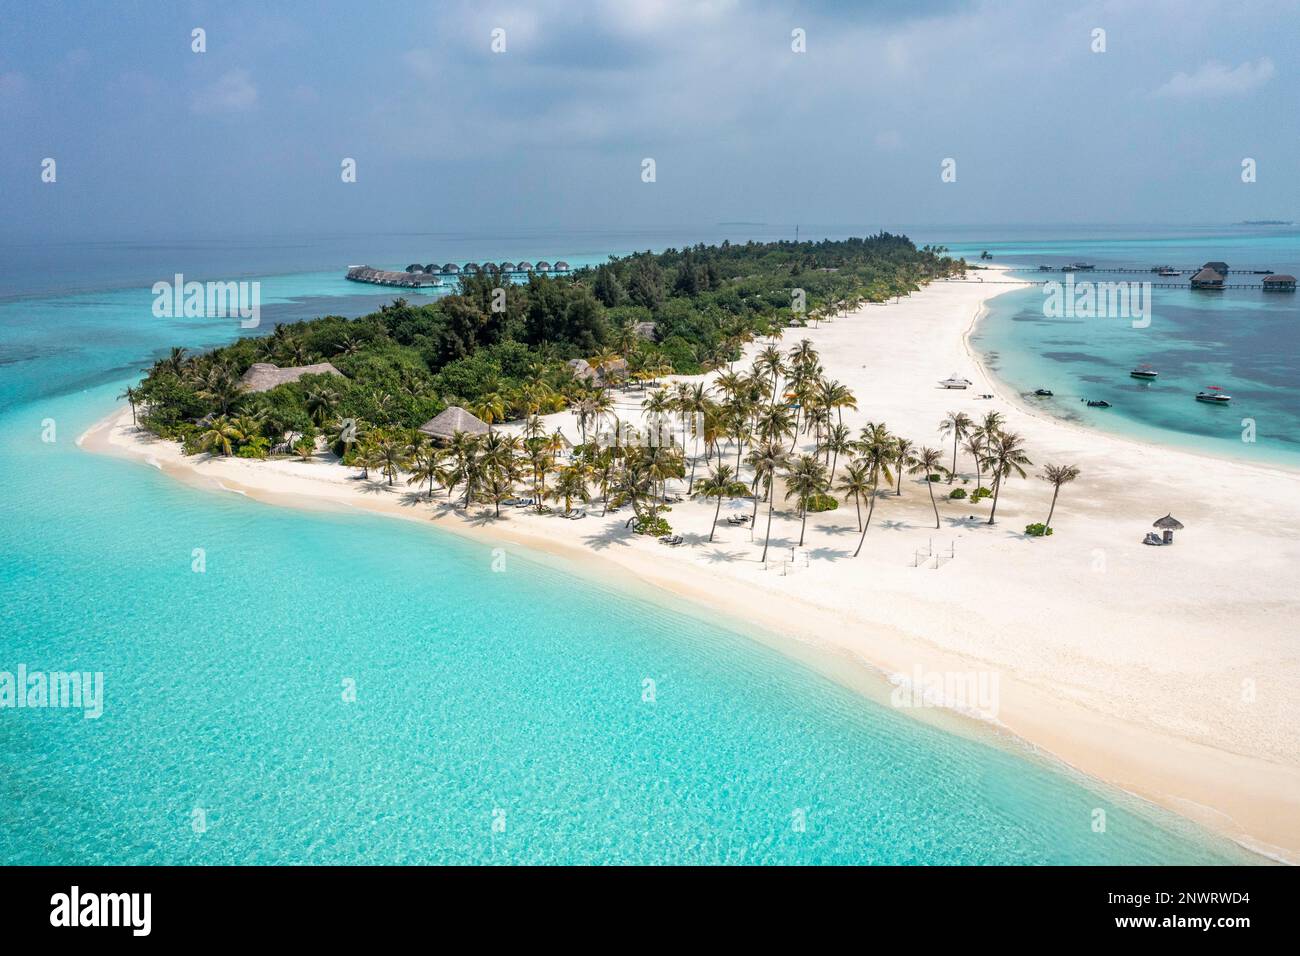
(1168, 521)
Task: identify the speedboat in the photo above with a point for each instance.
(955, 381)
(1213, 395)
(1169, 273)
(1144, 372)
(1045, 392)
(1097, 403)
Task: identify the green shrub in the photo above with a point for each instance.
(1037, 530)
(656, 527)
(819, 503)
(934, 477)
(957, 493)
(980, 492)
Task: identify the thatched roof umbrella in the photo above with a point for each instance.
(1168, 521)
(451, 420)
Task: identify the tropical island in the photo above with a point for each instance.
(676, 420)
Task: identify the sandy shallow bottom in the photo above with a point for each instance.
(1169, 672)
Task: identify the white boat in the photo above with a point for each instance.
(955, 381)
(1214, 395)
(1144, 372)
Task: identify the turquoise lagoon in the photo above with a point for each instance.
(1245, 341)
(499, 716)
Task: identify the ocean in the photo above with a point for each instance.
(284, 686)
(1244, 341)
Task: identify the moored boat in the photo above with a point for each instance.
(1144, 371)
(1213, 395)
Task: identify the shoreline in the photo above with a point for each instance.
(876, 617)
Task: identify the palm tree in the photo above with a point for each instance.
(500, 466)
(767, 460)
(959, 424)
(928, 461)
(855, 484)
(805, 480)
(721, 482)
(571, 483)
(974, 446)
(1058, 475)
(320, 403)
(222, 435)
(902, 460)
(132, 396)
(1005, 456)
(389, 456)
(425, 464)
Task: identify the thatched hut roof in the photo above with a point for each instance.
(264, 376)
(524, 266)
(561, 266)
(451, 420)
(470, 267)
(611, 370)
(431, 269)
(543, 265)
(1168, 521)
(450, 269)
(1217, 266)
(506, 266)
(415, 267)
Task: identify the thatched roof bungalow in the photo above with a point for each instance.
(543, 266)
(561, 266)
(1219, 267)
(264, 376)
(432, 269)
(506, 266)
(415, 267)
(609, 372)
(450, 269)
(1279, 283)
(453, 419)
(471, 267)
(1208, 279)
(524, 266)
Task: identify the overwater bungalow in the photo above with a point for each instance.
(506, 266)
(471, 268)
(415, 267)
(1279, 283)
(450, 269)
(432, 269)
(1208, 280)
(560, 266)
(524, 266)
(1219, 267)
(264, 376)
(444, 426)
(543, 266)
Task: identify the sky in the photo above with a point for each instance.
(150, 138)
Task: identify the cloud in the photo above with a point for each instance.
(234, 92)
(1215, 79)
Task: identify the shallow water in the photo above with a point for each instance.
(499, 716)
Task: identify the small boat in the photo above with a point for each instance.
(1045, 392)
(1097, 403)
(1169, 273)
(1144, 372)
(1213, 395)
(955, 381)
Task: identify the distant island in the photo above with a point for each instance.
(1266, 222)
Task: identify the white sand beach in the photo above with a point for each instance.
(1170, 672)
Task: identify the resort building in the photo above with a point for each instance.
(607, 374)
(1208, 279)
(450, 269)
(543, 266)
(561, 266)
(444, 426)
(413, 278)
(1219, 267)
(1279, 283)
(264, 376)
(524, 266)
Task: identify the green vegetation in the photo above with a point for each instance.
(1037, 530)
(681, 311)
(957, 493)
